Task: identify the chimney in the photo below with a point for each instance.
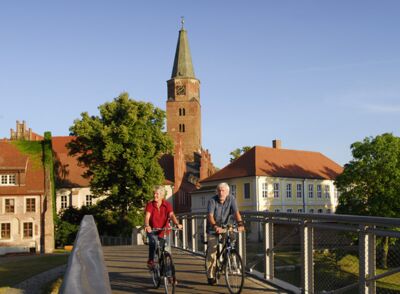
(277, 144)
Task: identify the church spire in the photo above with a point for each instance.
(183, 66)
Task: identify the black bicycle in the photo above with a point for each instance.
(229, 262)
(164, 268)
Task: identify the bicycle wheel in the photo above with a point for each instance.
(169, 274)
(234, 273)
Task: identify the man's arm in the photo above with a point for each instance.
(239, 220)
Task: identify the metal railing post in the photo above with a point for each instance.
(367, 264)
(205, 234)
(269, 250)
(307, 275)
(184, 239)
(194, 242)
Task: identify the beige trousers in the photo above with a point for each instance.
(212, 243)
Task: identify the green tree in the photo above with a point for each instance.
(370, 182)
(121, 148)
(235, 154)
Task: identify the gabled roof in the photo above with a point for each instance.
(275, 162)
(12, 160)
(67, 169)
(183, 66)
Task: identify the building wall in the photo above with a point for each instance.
(76, 197)
(17, 242)
(259, 202)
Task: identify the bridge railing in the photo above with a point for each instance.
(312, 253)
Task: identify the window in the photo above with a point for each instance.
(232, 189)
(289, 210)
(288, 190)
(327, 191)
(299, 210)
(203, 201)
(320, 210)
(8, 180)
(264, 190)
(28, 230)
(319, 191)
(64, 201)
(182, 112)
(182, 128)
(277, 210)
(30, 204)
(310, 191)
(5, 231)
(328, 210)
(299, 191)
(276, 190)
(311, 210)
(89, 200)
(247, 190)
(10, 205)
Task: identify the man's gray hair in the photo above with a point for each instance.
(223, 185)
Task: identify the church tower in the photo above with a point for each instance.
(183, 103)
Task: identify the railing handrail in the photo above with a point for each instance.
(86, 271)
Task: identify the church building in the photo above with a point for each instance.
(190, 162)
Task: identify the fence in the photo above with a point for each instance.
(313, 253)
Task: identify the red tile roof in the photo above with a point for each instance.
(272, 162)
(67, 169)
(13, 161)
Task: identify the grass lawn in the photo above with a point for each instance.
(14, 270)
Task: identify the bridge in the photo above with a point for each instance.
(282, 253)
(128, 273)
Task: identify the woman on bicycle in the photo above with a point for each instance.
(220, 208)
(158, 214)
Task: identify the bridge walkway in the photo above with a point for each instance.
(128, 273)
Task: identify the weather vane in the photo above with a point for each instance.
(182, 21)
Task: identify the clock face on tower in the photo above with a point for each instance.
(180, 90)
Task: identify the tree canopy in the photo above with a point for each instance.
(370, 182)
(121, 148)
(235, 154)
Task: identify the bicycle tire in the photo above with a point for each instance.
(169, 274)
(234, 272)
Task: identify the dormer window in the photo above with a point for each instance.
(8, 180)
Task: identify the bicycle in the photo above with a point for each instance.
(164, 268)
(229, 262)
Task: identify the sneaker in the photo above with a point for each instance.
(150, 264)
(212, 281)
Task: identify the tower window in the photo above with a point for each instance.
(182, 112)
(181, 128)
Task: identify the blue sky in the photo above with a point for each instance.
(319, 75)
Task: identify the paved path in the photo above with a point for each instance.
(128, 273)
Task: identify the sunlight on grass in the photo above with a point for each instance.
(16, 271)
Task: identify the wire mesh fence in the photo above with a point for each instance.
(316, 253)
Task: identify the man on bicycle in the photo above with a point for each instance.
(158, 214)
(220, 209)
